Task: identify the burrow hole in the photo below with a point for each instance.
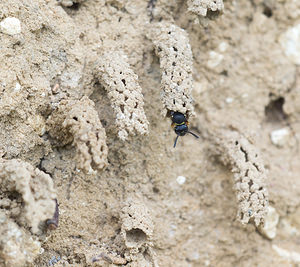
(274, 110)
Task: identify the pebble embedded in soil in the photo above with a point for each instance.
(271, 220)
(10, 26)
(279, 137)
(214, 59)
(181, 180)
(17, 87)
(229, 100)
(290, 43)
(223, 46)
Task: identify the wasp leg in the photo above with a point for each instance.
(175, 141)
(193, 134)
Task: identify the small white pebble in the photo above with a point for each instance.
(67, 3)
(214, 59)
(290, 43)
(229, 100)
(223, 46)
(269, 228)
(172, 230)
(17, 87)
(10, 26)
(279, 137)
(181, 180)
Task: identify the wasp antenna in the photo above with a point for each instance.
(193, 134)
(175, 141)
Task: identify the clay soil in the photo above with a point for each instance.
(242, 80)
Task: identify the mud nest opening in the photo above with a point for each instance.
(136, 236)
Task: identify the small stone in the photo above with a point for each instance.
(207, 262)
(181, 180)
(290, 43)
(271, 220)
(279, 137)
(10, 26)
(229, 100)
(17, 87)
(214, 59)
(223, 46)
(66, 3)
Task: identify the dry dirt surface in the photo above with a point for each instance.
(87, 90)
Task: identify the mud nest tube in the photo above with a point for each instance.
(78, 121)
(115, 74)
(173, 48)
(137, 226)
(249, 175)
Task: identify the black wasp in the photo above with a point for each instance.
(180, 125)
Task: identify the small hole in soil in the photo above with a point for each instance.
(75, 6)
(75, 118)
(268, 11)
(274, 110)
(224, 72)
(155, 190)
